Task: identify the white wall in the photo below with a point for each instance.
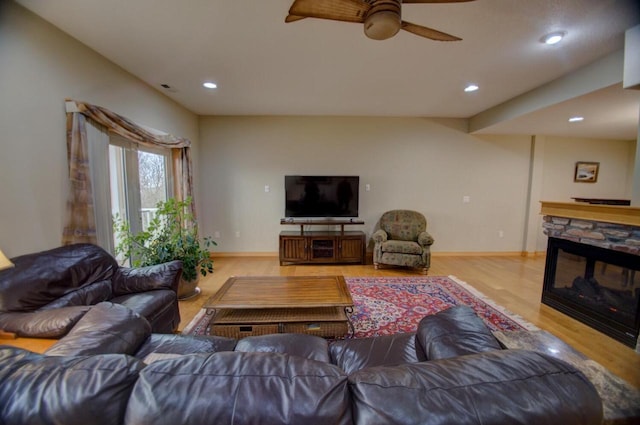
(39, 67)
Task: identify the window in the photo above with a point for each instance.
(139, 178)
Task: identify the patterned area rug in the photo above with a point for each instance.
(389, 305)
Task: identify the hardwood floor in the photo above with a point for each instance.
(512, 281)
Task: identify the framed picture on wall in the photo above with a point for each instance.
(586, 172)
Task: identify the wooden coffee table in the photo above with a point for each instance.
(259, 305)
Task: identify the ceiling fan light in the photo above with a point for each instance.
(576, 119)
(209, 85)
(382, 25)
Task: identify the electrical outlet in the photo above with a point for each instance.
(367, 187)
(466, 199)
(500, 234)
(216, 234)
(267, 189)
(237, 234)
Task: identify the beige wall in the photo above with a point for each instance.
(422, 164)
(410, 163)
(40, 67)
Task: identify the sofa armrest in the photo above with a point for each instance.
(425, 239)
(53, 323)
(141, 279)
(379, 236)
(106, 328)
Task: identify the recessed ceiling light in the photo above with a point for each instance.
(553, 38)
(209, 85)
(576, 119)
(471, 87)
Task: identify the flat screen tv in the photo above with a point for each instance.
(321, 196)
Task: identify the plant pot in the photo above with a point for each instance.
(188, 288)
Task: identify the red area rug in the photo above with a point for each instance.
(384, 306)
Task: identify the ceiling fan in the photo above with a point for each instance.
(381, 18)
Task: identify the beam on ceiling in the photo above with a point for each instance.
(595, 76)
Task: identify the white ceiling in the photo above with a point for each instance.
(317, 67)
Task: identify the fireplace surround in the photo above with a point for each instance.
(592, 269)
(597, 286)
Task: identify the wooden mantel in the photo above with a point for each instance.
(604, 213)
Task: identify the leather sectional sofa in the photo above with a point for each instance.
(46, 293)
(111, 369)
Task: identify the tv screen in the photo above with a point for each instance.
(321, 196)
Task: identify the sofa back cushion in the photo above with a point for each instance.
(37, 389)
(106, 328)
(240, 388)
(498, 387)
(454, 332)
(40, 278)
(354, 354)
(300, 345)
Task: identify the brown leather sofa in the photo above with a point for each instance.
(432, 376)
(46, 293)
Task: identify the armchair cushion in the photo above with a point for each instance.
(404, 225)
(401, 247)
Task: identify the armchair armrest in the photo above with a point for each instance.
(141, 279)
(379, 236)
(425, 239)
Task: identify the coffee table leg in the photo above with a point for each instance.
(349, 311)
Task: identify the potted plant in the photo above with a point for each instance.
(172, 234)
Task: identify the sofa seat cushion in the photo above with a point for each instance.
(308, 346)
(498, 387)
(239, 388)
(158, 307)
(184, 344)
(37, 389)
(352, 355)
(454, 332)
(43, 323)
(401, 247)
(106, 328)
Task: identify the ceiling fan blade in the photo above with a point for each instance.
(293, 18)
(428, 32)
(337, 10)
(436, 1)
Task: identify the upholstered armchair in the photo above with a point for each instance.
(402, 240)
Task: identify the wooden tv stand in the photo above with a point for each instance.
(322, 246)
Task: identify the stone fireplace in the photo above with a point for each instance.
(592, 270)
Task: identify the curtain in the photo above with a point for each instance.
(80, 225)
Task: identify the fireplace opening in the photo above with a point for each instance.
(597, 286)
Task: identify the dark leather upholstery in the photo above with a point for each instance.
(273, 379)
(454, 332)
(37, 389)
(240, 388)
(106, 328)
(36, 294)
(499, 387)
(352, 355)
(182, 344)
(307, 346)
